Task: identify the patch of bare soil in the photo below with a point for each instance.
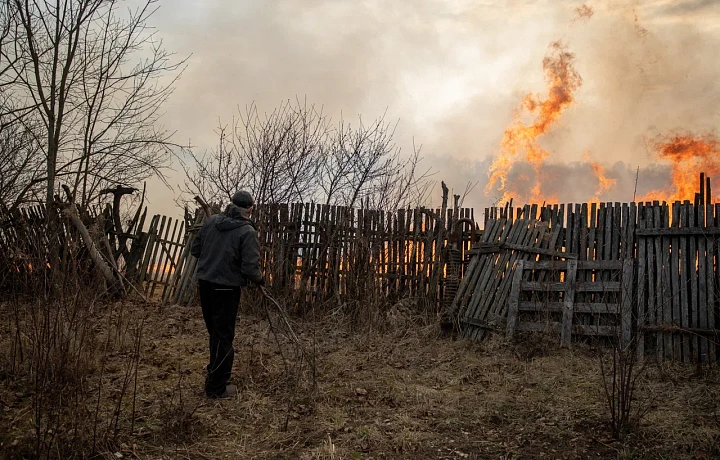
(397, 394)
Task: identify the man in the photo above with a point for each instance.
(228, 255)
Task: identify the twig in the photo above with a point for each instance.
(277, 339)
(300, 348)
(637, 176)
(283, 315)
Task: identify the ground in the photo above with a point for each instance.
(401, 392)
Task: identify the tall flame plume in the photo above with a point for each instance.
(563, 81)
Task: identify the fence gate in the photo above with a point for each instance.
(585, 298)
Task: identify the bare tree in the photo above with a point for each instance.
(21, 165)
(275, 156)
(295, 154)
(72, 68)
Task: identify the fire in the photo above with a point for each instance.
(518, 137)
(605, 183)
(689, 155)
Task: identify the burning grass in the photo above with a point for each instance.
(406, 393)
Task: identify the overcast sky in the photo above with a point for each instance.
(452, 72)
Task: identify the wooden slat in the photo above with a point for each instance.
(570, 229)
(632, 226)
(584, 234)
(416, 259)
(601, 249)
(545, 265)
(579, 232)
(666, 290)
(514, 301)
(600, 265)
(577, 329)
(692, 278)
(580, 286)
(684, 280)
(655, 269)
(678, 291)
(642, 283)
(536, 250)
(616, 228)
(626, 303)
(678, 231)
(568, 302)
(711, 289)
(557, 307)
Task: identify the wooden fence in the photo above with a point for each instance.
(674, 249)
(320, 252)
(317, 252)
(24, 241)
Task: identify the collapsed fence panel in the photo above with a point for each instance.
(481, 301)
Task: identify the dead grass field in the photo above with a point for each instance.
(403, 393)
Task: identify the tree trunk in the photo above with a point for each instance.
(105, 270)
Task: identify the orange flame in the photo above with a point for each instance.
(562, 81)
(689, 155)
(605, 183)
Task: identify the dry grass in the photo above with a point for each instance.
(391, 394)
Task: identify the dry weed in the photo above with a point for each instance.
(390, 393)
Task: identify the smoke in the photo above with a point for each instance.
(453, 72)
(574, 182)
(636, 86)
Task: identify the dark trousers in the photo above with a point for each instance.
(219, 307)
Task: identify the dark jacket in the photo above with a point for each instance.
(227, 249)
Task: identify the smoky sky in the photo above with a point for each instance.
(452, 73)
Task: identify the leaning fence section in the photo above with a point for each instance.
(667, 273)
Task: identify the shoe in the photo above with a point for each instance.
(230, 391)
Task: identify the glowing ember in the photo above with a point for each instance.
(605, 184)
(689, 155)
(519, 138)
